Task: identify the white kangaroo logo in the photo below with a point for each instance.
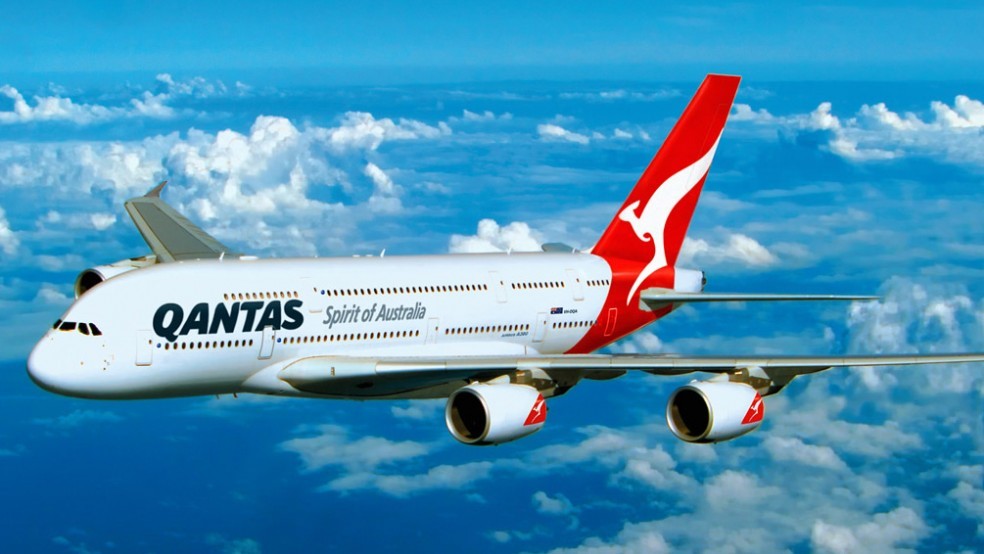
(651, 223)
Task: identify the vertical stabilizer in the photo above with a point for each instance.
(651, 224)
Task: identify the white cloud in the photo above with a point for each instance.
(515, 237)
(549, 131)
(736, 248)
(621, 94)
(57, 108)
(558, 506)
(783, 449)
(877, 133)
(912, 317)
(484, 117)
(332, 447)
(8, 238)
(965, 113)
(50, 294)
(77, 418)
(386, 195)
(418, 410)
(634, 538)
(198, 87)
(362, 130)
(102, 221)
(970, 498)
(886, 532)
(442, 477)
(620, 134)
(265, 179)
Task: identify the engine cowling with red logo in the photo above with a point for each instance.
(484, 414)
(714, 411)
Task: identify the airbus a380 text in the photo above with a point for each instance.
(495, 334)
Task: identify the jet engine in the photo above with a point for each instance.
(95, 275)
(483, 414)
(713, 411)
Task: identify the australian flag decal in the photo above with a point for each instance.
(556, 311)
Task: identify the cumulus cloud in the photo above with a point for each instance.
(914, 317)
(886, 532)
(783, 449)
(876, 133)
(418, 410)
(385, 194)
(267, 178)
(632, 539)
(552, 132)
(491, 237)
(198, 87)
(735, 248)
(442, 477)
(57, 108)
(333, 447)
(8, 238)
(362, 130)
(486, 116)
(545, 504)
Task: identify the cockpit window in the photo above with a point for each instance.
(57, 323)
(83, 328)
(68, 326)
(95, 330)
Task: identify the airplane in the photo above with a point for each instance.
(494, 334)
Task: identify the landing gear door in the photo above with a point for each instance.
(266, 342)
(145, 347)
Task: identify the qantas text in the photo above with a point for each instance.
(170, 320)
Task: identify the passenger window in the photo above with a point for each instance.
(68, 326)
(83, 328)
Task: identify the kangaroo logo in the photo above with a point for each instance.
(650, 225)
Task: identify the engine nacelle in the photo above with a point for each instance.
(95, 275)
(483, 414)
(711, 411)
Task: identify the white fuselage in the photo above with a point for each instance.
(219, 327)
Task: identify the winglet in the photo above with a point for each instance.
(156, 191)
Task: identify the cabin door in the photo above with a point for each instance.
(266, 342)
(145, 347)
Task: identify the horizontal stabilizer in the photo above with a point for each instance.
(662, 297)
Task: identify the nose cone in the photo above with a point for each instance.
(56, 367)
(42, 366)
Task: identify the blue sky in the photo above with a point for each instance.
(337, 41)
(852, 163)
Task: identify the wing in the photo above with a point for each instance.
(169, 234)
(328, 374)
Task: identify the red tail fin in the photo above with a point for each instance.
(660, 206)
